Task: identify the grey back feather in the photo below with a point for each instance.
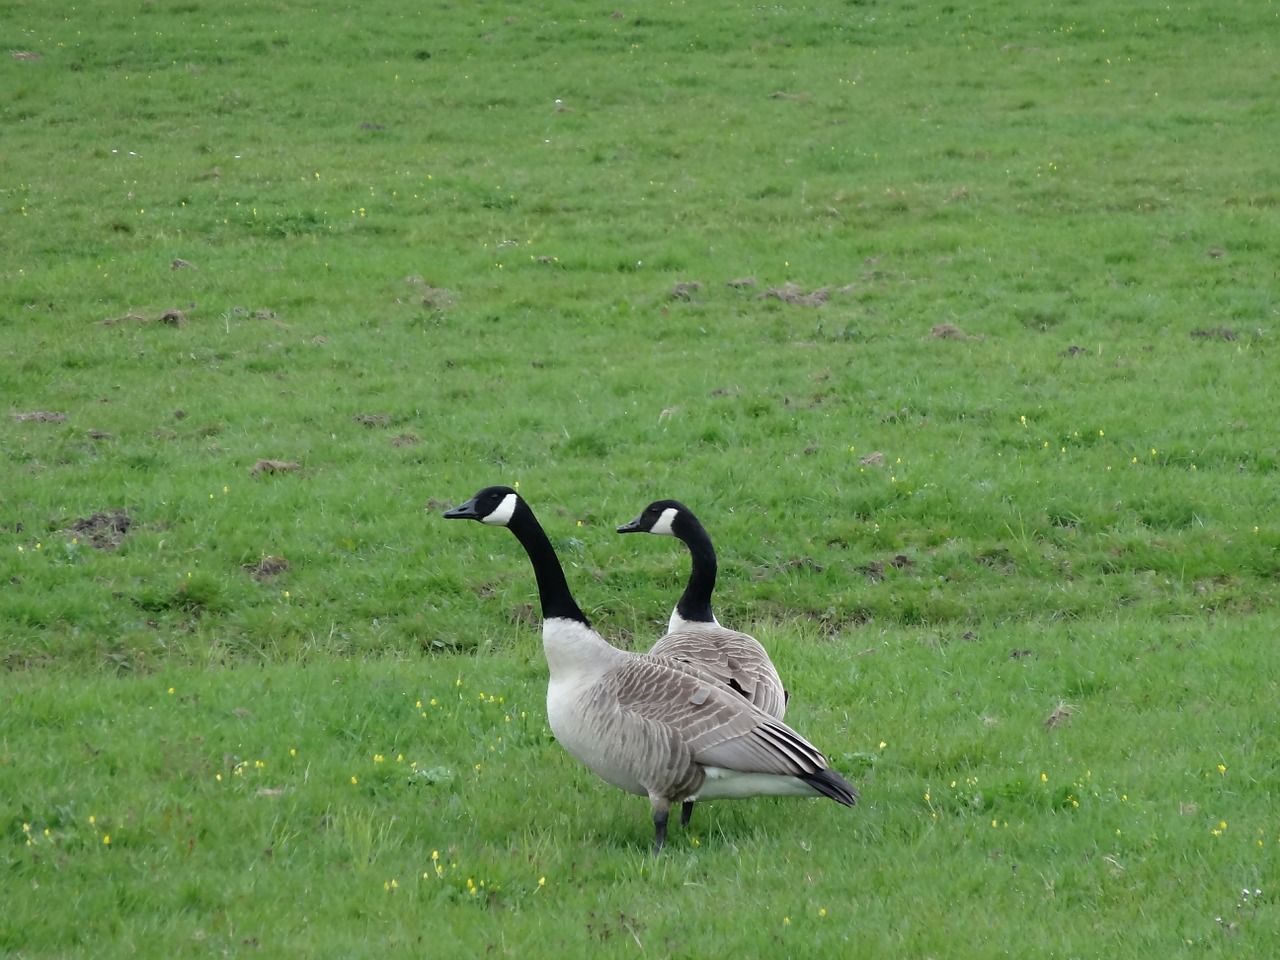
(736, 660)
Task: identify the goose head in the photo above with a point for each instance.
(503, 507)
(671, 518)
(662, 517)
(492, 505)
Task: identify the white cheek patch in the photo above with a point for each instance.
(503, 513)
(664, 526)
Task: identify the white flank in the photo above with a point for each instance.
(722, 784)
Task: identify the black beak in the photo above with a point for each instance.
(632, 527)
(466, 511)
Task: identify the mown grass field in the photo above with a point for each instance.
(956, 326)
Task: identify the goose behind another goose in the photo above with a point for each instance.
(694, 635)
(646, 724)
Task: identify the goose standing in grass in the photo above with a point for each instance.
(649, 725)
(694, 635)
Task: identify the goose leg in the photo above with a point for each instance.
(661, 810)
(686, 811)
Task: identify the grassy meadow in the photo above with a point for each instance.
(956, 325)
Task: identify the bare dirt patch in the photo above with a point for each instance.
(172, 317)
(794, 293)
(104, 531)
(1215, 333)
(685, 289)
(437, 298)
(947, 331)
(267, 568)
(372, 420)
(875, 569)
(997, 558)
(40, 416)
(275, 466)
(433, 298)
(256, 314)
(405, 440)
(1060, 715)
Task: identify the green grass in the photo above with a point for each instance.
(401, 266)
(273, 807)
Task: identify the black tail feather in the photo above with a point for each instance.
(831, 784)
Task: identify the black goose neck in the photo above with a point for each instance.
(553, 589)
(695, 603)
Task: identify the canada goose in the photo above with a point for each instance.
(649, 725)
(694, 635)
